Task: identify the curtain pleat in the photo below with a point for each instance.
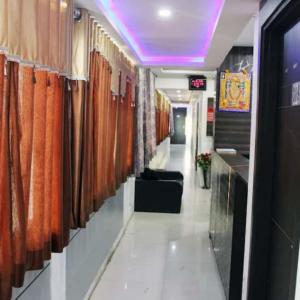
(18, 216)
(67, 165)
(26, 105)
(112, 146)
(118, 164)
(51, 86)
(6, 247)
(163, 109)
(78, 110)
(57, 169)
(35, 221)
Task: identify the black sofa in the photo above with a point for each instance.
(159, 191)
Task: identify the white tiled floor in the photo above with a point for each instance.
(166, 257)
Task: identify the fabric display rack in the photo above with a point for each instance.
(71, 128)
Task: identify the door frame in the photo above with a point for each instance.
(286, 15)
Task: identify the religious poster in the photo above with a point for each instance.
(235, 92)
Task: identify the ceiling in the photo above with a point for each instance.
(181, 95)
(198, 34)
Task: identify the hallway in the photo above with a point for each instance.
(166, 257)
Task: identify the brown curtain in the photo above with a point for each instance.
(35, 221)
(119, 137)
(57, 168)
(86, 194)
(102, 140)
(18, 216)
(100, 95)
(26, 97)
(67, 166)
(112, 146)
(124, 135)
(163, 108)
(79, 92)
(131, 127)
(50, 105)
(6, 247)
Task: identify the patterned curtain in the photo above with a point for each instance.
(139, 129)
(145, 147)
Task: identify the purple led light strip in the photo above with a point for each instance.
(115, 18)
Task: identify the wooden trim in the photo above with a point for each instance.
(286, 15)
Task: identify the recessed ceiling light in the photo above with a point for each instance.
(164, 13)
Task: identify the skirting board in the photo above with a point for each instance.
(106, 262)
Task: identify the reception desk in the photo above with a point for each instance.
(228, 219)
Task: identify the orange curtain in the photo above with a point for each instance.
(100, 96)
(102, 140)
(18, 216)
(112, 145)
(35, 147)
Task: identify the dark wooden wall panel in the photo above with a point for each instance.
(232, 129)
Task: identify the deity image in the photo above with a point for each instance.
(235, 92)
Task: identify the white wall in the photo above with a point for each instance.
(252, 154)
(72, 274)
(162, 156)
(172, 83)
(206, 143)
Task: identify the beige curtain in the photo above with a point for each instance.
(29, 26)
(3, 24)
(53, 33)
(89, 36)
(81, 36)
(38, 32)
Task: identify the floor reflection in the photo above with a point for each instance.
(163, 256)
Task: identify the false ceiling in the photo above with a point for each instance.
(196, 34)
(181, 96)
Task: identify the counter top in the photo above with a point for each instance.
(238, 163)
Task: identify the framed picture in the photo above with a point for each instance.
(235, 92)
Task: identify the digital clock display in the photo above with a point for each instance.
(197, 83)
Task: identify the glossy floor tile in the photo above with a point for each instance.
(164, 256)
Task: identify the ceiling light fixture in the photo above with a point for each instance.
(114, 13)
(164, 13)
(178, 91)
